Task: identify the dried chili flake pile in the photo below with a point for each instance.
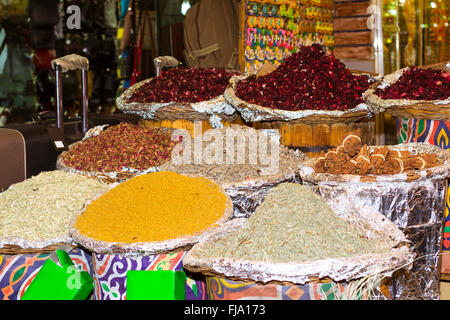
(183, 85)
(418, 84)
(310, 79)
(124, 145)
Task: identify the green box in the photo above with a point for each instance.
(59, 279)
(156, 285)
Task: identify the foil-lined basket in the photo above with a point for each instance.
(215, 110)
(256, 113)
(107, 177)
(182, 243)
(378, 229)
(414, 202)
(406, 108)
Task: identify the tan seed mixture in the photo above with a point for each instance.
(40, 208)
(293, 224)
(235, 172)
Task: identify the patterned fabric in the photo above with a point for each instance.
(18, 271)
(224, 289)
(110, 274)
(435, 132)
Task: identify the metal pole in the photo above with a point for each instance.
(85, 113)
(59, 99)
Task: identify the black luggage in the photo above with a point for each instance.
(30, 148)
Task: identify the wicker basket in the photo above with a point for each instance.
(256, 113)
(173, 111)
(404, 108)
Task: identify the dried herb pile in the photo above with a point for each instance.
(287, 162)
(293, 224)
(351, 157)
(153, 207)
(40, 208)
(124, 145)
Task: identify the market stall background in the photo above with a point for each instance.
(372, 36)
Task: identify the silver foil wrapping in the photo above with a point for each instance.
(215, 109)
(254, 113)
(144, 248)
(378, 229)
(415, 206)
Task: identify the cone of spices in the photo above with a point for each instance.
(289, 238)
(152, 213)
(309, 85)
(119, 152)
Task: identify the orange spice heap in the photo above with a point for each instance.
(153, 207)
(351, 157)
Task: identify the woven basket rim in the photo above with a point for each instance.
(12, 249)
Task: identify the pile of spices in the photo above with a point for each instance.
(292, 225)
(153, 207)
(351, 157)
(124, 145)
(418, 84)
(235, 171)
(310, 79)
(183, 85)
(40, 208)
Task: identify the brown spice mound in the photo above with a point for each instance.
(123, 145)
(351, 157)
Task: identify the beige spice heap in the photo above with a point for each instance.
(40, 208)
(223, 173)
(293, 224)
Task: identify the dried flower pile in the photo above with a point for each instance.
(418, 84)
(308, 80)
(351, 157)
(183, 85)
(40, 208)
(153, 207)
(292, 225)
(124, 145)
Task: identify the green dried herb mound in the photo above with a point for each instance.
(293, 224)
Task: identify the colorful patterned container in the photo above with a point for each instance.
(225, 289)
(18, 271)
(110, 274)
(435, 132)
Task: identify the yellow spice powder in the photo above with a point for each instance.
(153, 207)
